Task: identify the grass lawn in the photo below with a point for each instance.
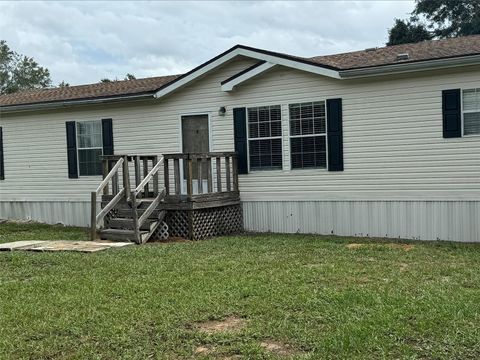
(310, 296)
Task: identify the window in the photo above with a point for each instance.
(265, 137)
(90, 147)
(471, 112)
(308, 144)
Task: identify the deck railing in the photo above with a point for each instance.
(194, 174)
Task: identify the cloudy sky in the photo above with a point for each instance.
(82, 42)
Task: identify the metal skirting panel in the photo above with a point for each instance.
(422, 220)
(50, 212)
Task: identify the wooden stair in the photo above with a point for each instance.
(122, 226)
(128, 213)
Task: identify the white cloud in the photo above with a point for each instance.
(82, 42)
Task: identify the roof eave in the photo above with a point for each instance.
(62, 104)
(410, 67)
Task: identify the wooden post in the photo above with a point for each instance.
(166, 177)
(219, 174)
(93, 216)
(176, 175)
(105, 171)
(137, 170)
(209, 175)
(115, 183)
(155, 177)
(235, 172)
(146, 190)
(227, 173)
(199, 175)
(189, 177)
(126, 177)
(135, 217)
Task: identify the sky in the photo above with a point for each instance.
(83, 42)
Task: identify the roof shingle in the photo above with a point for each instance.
(99, 90)
(425, 50)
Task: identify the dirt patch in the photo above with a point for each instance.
(204, 350)
(278, 348)
(403, 267)
(231, 323)
(406, 247)
(354, 246)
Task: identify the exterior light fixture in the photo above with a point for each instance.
(222, 111)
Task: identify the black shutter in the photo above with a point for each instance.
(2, 164)
(335, 135)
(240, 136)
(452, 113)
(107, 136)
(72, 150)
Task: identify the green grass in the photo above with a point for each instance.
(312, 292)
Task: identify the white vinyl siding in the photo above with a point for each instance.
(392, 132)
(89, 147)
(471, 111)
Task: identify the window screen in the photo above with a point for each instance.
(471, 111)
(308, 146)
(265, 137)
(90, 147)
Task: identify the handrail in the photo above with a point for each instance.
(109, 176)
(111, 204)
(149, 176)
(148, 211)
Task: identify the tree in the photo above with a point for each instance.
(128, 76)
(20, 72)
(63, 84)
(407, 32)
(449, 18)
(441, 19)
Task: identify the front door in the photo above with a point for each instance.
(195, 139)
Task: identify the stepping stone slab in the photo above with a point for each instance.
(18, 244)
(61, 245)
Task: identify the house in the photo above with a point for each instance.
(381, 142)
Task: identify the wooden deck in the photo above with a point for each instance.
(197, 196)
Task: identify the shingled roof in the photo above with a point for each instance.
(417, 52)
(422, 51)
(91, 91)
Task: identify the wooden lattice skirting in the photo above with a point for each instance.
(204, 223)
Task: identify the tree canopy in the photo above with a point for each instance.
(437, 19)
(20, 72)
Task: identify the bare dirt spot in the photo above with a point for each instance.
(278, 348)
(406, 247)
(231, 323)
(403, 267)
(354, 246)
(204, 350)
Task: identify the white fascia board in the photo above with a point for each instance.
(196, 74)
(276, 60)
(290, 63)
(228, 86)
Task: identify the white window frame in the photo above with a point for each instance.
(89, 148)
(290, 136)
(477, 89)
(281, 168)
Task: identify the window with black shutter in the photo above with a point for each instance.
(265, 137)
(471, 111)
(308, 132)
(89, 147)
